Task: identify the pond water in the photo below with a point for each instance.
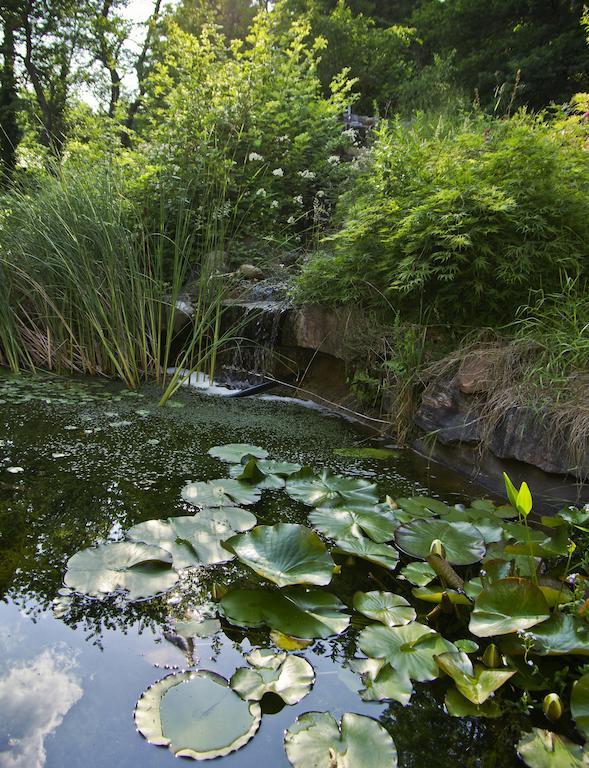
(95, 460)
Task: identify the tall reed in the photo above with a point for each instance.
(88, 285)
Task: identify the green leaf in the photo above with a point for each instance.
(290, 677)
(508, 605)
(544, 749)
(490, 528)
(316, 740)
(419, 574)
(474, 683)
(434, 593)
(391, 610)
(511, 490)
(380, 454)
(381, 554)
(381, 682)
(196, 714)
(234, 453)
(524, 500)
(298, 612)
(315, 490)
(466, 646)
(423, 506)
(342, 523)
(463, 543)
(140, 570)
(220, 493)
(251, 473)
(580, 704)
(410, 649)
(560, 635)
(285, 553)
(459, 706)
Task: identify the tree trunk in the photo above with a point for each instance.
(10, 133)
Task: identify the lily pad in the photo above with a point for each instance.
(196, 714)
(561, 634)
(423, 506)
(476, 683)
(220, 493)
(285, 553)
(381, 682)
(234, 453)
(290, 677)
(544, 749)
(381, 554)
(434, 593)
(508, 605)
(342, 523)
(138, 569)
(251, 473)
(459, 706)
(391, 610)
(490, 528)
(298, 612)
(316, 740)
(419, 573)
(580, 704)
(315, 490)
(463, 543)
(409, 649)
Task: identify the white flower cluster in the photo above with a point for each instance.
(307, 174)
(333, 159)
(261, 192)
(298, 199)
(278, 172)
(253, 156)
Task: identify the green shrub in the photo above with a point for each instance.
(459, 221)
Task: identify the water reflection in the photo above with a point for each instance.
(35, 696)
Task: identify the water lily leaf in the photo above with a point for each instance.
(342, 523)
(381, 682)
(380, 454)
(462, 542)
(290, 677)
(196, 714)
(540, 544)
(391, 610)
(287, 642)
(476, 683)
(560, 635)
(544, 749)
(234, 453)
(316, 490)
(316, 740)
(381, 554)
(409, 649)
(234, 518)
(197, 628)
(298, 612)
(466, 646)
(140, 570)
(280, 468)
(434, 593)
(251, 473)
(490, 529)
(285, 553)
(220, 493)
(423, 506)
(419, 574)
(191, 540)
(459, 706)
(580, 704)
(573, 516)
(508, 605)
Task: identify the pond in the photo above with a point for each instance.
(81, 462)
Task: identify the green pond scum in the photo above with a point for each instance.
(260, 583)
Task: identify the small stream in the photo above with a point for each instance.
(82, 460)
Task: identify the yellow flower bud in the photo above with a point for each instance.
(552, 706)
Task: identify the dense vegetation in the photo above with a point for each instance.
(157, 155)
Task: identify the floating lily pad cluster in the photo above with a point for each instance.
(475, 595)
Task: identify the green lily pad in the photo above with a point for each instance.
(476, 683)
(298, 612)
(466, 646)
(251, 473)
(316, 740)
(191, 540)
(316, 490)
(196, 714)
(462, 542)
(234, 453)
(220, 493)
(508, 605)
(342, 523)
(540, 543)
(285, 553)
(290, 677)
(419, 573)
(423, 506)
(235, 518)
(380, 554)
(138, 569)
(544, 749)
(580, 704)
(459, 706)
(391, 610)
(280, 468)
(381, 682)
(434, 593)
(491, 529)
(409, 649)
(560, 635)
